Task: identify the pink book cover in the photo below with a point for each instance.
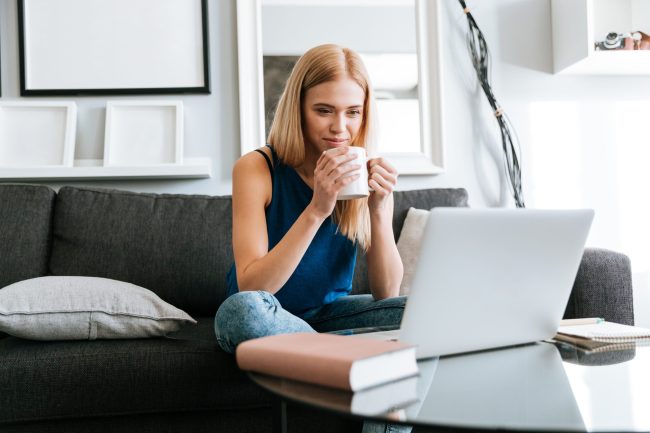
(324, 359)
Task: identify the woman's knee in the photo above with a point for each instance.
(243, 316)
(395, 302)
(392, 310)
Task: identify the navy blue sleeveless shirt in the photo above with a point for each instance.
(325, 271)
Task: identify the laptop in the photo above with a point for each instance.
(489, 278)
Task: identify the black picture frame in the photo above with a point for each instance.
(197, 71)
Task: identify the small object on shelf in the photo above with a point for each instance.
(601, 37)
(624, 41)
(613, 41)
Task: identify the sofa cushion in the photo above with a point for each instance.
(603, 287)
(421, 199)
(25, 232)
(409, 245)
(425, 199)
(178, 246)
(85, 308)
(184, 372)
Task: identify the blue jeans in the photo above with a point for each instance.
(247, 315)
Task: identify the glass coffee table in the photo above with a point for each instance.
(537, 387)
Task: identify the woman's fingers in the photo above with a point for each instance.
(344, 181)
(380, 185)
(384, 173)
(331, 162)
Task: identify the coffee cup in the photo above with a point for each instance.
(359, 187)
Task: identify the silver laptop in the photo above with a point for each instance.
(490, 278)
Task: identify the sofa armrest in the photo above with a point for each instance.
(603, 287)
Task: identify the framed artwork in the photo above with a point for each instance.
(106, 47)
(143, 133)
(37, 134)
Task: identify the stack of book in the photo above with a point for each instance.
(597, 335)
(336, 361)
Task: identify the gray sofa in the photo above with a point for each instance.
(178, 246)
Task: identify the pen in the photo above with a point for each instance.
(586, 321)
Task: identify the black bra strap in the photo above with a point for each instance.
(268, 160)
(275, 156)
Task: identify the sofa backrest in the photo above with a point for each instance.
(177, 246)
(25, 231)
(419, 199)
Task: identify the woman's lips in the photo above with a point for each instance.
(336, 141)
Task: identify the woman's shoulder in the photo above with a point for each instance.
(252, 175)
(254, 160)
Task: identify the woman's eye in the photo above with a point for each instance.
(354, 112)
(322, 110)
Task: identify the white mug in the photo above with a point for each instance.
(359, 187)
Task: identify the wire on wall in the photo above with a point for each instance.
(478, 50)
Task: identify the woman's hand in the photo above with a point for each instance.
(382, 178)
(334, 171)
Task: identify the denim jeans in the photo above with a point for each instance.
(253, 314)
(247, 315)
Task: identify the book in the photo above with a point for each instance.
(593, 346)
(604, 332)
(335, 361)
(383, 399)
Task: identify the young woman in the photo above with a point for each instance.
(294, 244)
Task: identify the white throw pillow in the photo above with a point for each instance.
(85, 308)
(409, 244)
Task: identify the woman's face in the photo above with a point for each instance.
(332, 114)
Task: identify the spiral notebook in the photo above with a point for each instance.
(605, 332)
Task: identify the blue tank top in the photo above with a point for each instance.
(325, 271)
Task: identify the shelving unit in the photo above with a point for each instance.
(93, 169)
(578, 24)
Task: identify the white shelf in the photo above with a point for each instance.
(93, 169)
(578, 24)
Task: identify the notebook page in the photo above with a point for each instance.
(606, 331)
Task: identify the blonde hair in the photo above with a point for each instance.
(319, 65)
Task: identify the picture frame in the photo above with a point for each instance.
(429, 159)
(142, 47)
(143, 133)
(37, 134)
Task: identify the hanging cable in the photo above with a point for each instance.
(480, 55)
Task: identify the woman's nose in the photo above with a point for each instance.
(338, 123)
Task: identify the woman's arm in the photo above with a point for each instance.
(385, 269)
(257, 267)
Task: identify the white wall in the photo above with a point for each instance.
(584, 138)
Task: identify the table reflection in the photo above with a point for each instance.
(517, 388)
(537, 387)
